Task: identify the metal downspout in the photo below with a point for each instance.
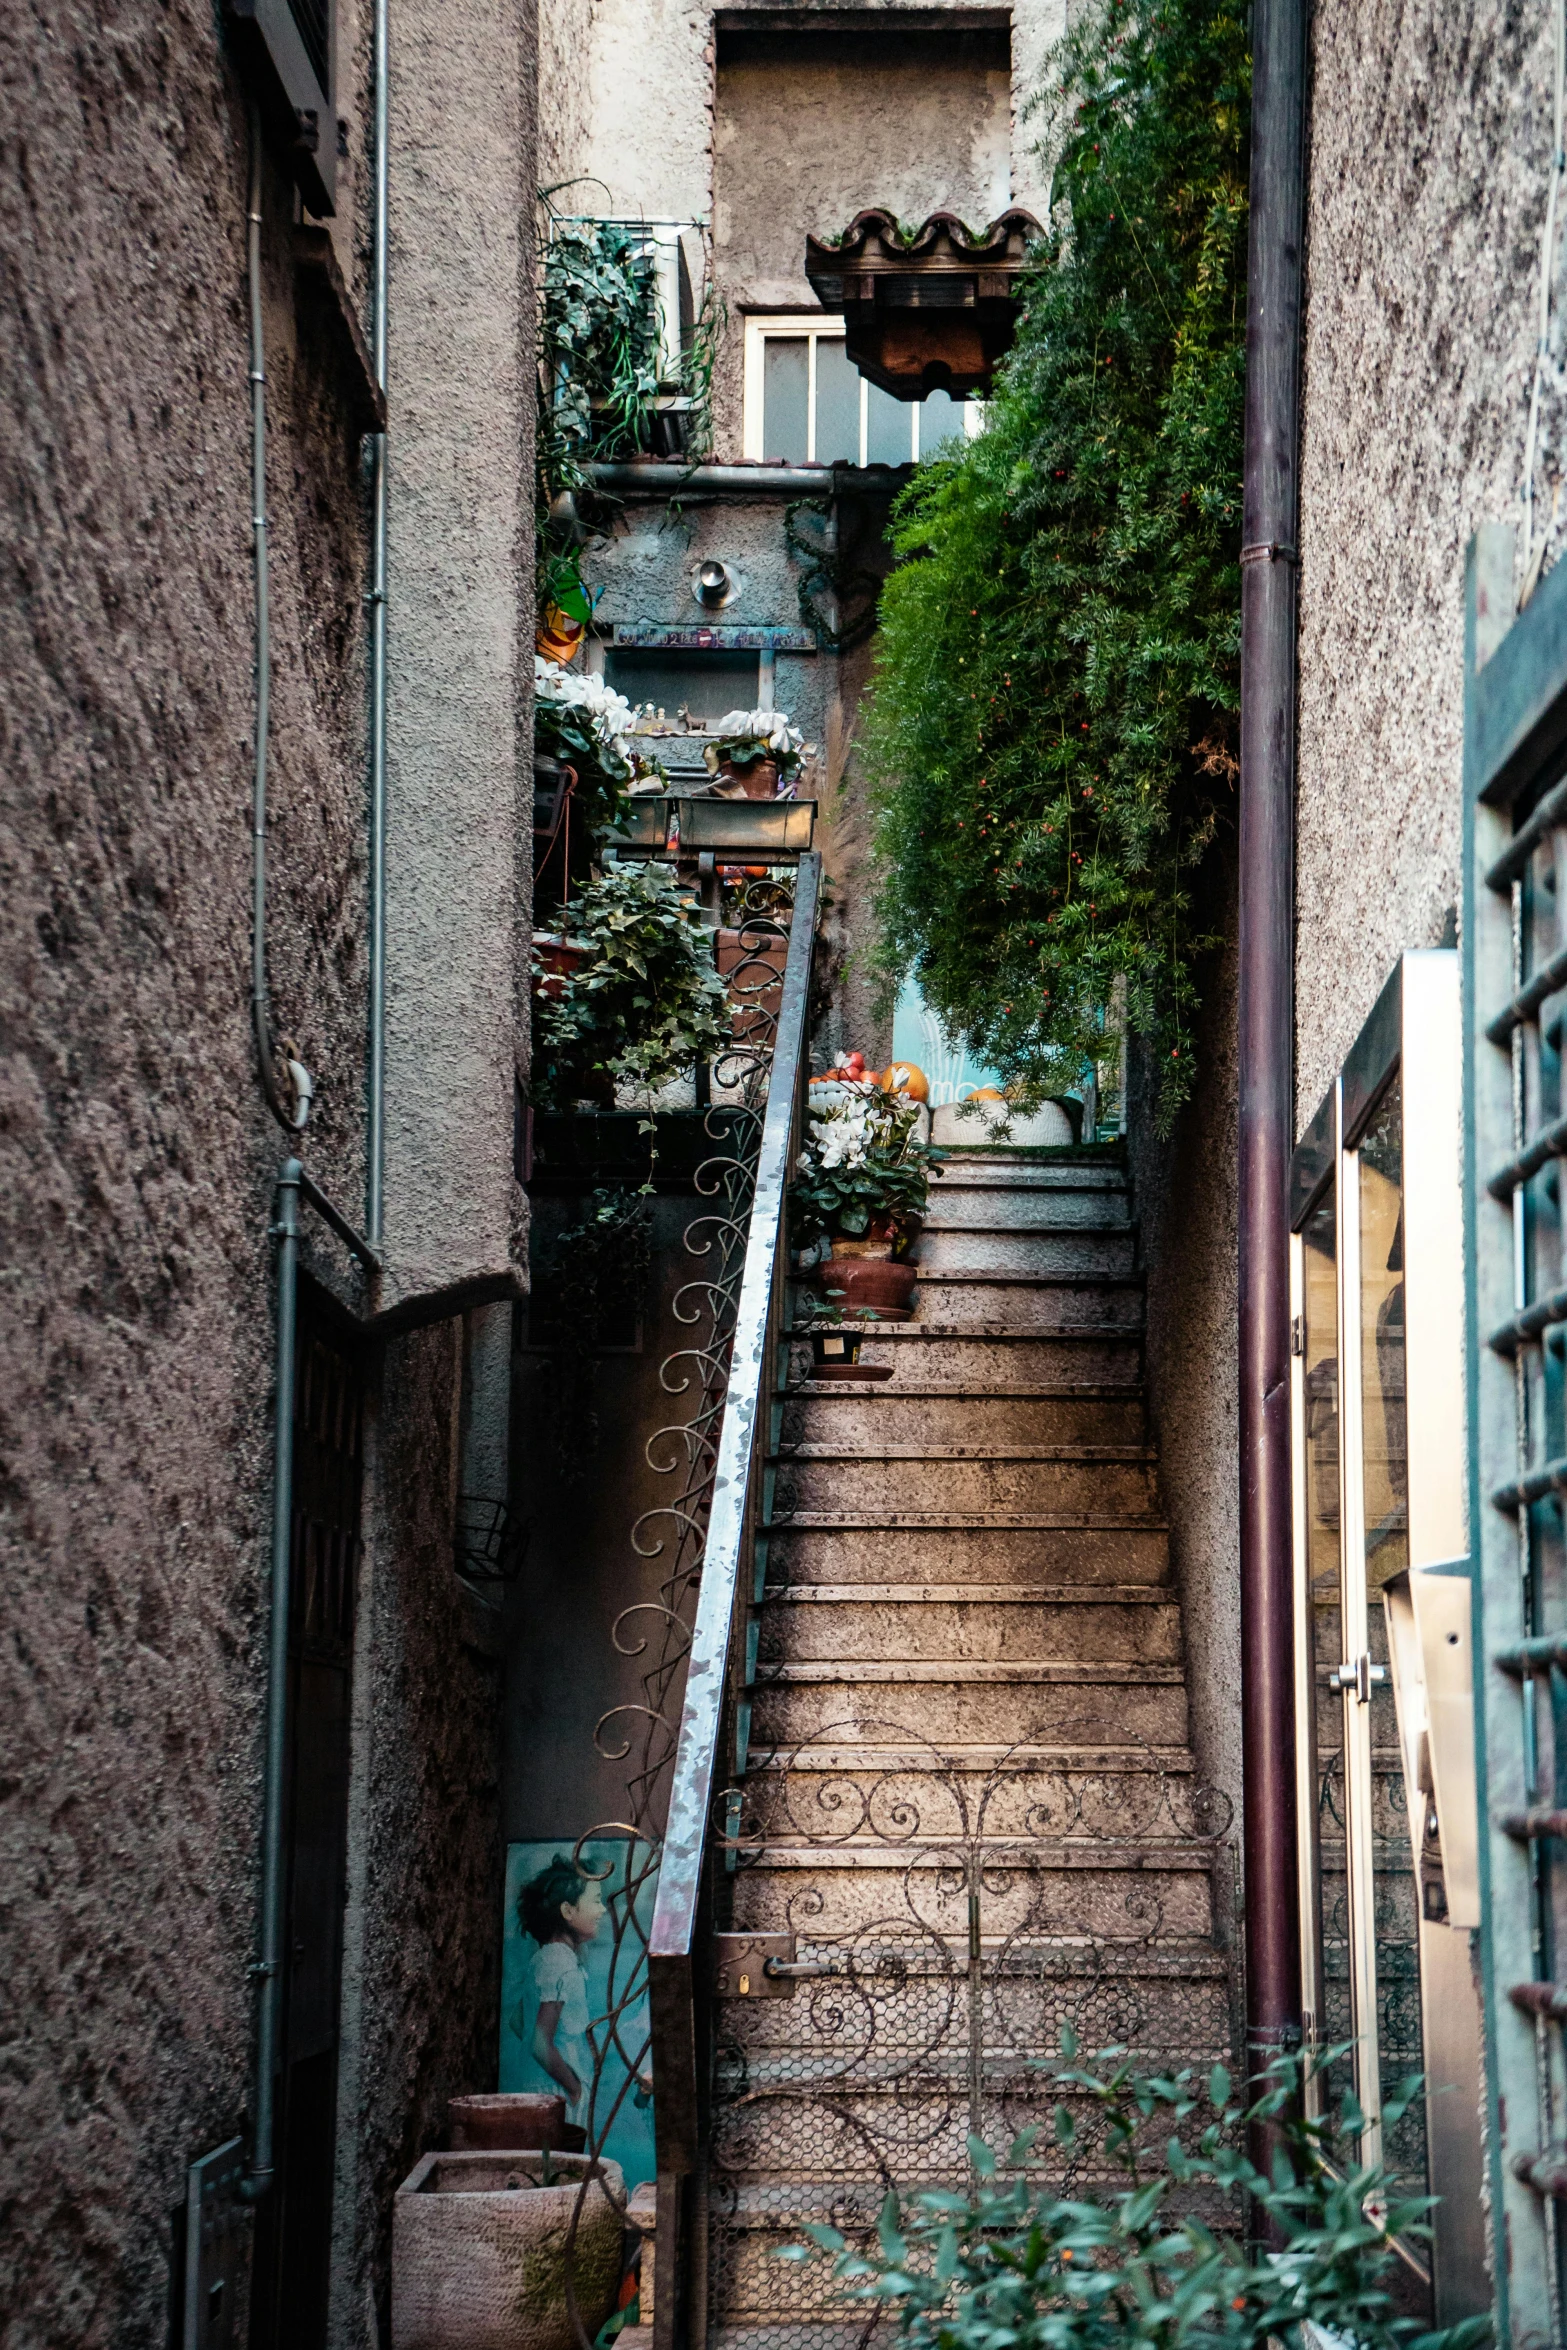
(1266, 1020)
(268, 1964)
(375, 1118)
(260, 1015)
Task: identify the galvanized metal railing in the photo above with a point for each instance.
(715, 1718)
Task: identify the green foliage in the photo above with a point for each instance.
(598, 347)
(861, 1163)
(595, 1274)
(1052, 728)
(1016, 2267)
(645, 1005)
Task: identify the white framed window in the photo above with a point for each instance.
(805, 404)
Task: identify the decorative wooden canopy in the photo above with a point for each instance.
(929, 311)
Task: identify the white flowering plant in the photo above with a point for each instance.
(579, 719)
(863, 1164)
(744, 736)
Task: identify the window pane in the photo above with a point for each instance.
(889, 428)
(837, 405)
(940, 417)
(784, 385)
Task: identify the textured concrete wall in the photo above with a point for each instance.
(1429, 156)
(421, 1959)
(138, 1163)
(459, 728)
(1184, 1199)
(809, 132)
(137, 1160)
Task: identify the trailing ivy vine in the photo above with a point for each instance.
(1051, 735)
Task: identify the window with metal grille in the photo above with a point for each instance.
(1515, 1006)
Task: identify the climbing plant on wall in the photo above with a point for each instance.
(1051, 735)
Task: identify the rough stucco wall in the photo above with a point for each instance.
(460, 564)
(808, 133)
(1184, 1200)
(421, 1963)
(565, 102)
(1429, 154)
(137, 1161)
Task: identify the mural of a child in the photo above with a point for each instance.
(562, 1909)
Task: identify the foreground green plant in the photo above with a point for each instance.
(1016, 2265)
(645, 1003)
(1051, 735)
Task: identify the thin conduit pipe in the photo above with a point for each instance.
(268, 1964)
(259, 1014)
(375, 1121)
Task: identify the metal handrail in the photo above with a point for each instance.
(716, 1663)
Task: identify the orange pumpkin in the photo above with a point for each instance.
(905, 1077)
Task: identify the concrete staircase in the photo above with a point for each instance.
(969, 1793)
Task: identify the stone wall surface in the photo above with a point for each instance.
(1430, 147)
(138, 1164)
(421, 1961)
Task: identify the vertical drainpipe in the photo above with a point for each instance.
(375, 1105)
(268, 1964)
(1266, 1018)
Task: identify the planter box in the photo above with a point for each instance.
(479, 2251)
(509, 2121)
(749, 831)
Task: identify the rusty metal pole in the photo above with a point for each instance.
(1266, 1020)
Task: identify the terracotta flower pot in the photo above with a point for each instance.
(758, 781)
(860, 1284)
(512, 2120)
(479, 2251)
(560, 958)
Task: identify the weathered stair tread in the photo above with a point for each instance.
(966, 1391)
(935, 1521)
(970, 1594)
(869, 1456)
(916, 1791)
(1063, 1670)
(1161, 1760)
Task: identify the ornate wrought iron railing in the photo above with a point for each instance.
(714, 1722)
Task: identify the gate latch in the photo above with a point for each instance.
(751, 1966)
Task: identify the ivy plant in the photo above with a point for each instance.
(644, 1004)
(1158, 2260)
(1052, 728)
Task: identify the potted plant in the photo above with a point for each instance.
(584, 724)
(861, 1183)
(642, 1002)
(756, 755)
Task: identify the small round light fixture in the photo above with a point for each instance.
(714, 583)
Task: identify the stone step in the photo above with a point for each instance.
(1064, 1169)
(1073, 1480)
(1090, 1252)
(993, 1705)
(904, 1982)
(866, 1415)
(902, 1794)
(825, 1547)
(958, 1199)
(1042, 1887)
(1029, 1301)
(931, 1349)
(803, 1623)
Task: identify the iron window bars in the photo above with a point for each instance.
(1515, 1136)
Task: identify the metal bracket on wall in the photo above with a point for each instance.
(215, 2237)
